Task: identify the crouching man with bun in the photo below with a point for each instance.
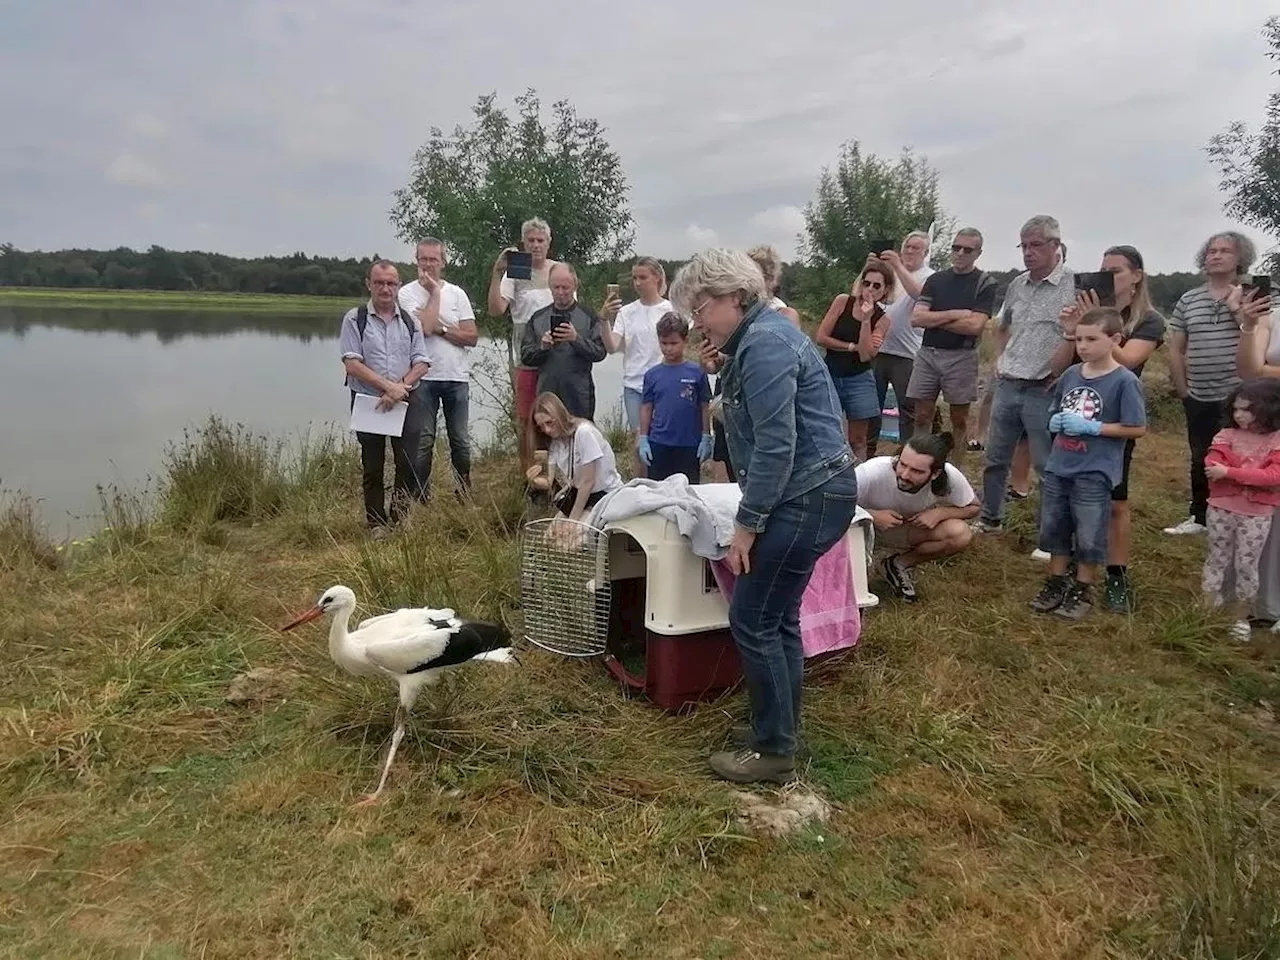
(921, 506)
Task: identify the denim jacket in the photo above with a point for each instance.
(782, 417)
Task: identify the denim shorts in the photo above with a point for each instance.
(1075, 508)
(859, 397)
(632, 401)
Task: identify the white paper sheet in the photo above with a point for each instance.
(367, 418)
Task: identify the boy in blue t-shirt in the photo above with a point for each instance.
(675, 412)
(1098, 405)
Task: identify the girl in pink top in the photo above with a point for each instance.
(1243, 467)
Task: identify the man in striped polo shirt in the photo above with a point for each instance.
(1203, 337)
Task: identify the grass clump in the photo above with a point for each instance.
(23, 541)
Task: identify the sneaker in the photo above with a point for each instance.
(899, 577)
(973, 446)
(1041, 556)
(379, 532)
(1051, 595)
(1241, 632)
(1077, 605)
(741, 734)
(748, 766)
(1188, 527)
(1275, 627)
(1119, 598)
(1013, 496)
(984, 526)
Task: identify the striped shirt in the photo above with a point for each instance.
(1213, 334)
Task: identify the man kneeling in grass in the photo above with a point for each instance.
(921, 505)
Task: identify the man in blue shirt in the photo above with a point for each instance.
(675, 412)
(385, 359)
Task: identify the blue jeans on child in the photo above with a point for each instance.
(764, 615)
(632, 401)
(1075, 507)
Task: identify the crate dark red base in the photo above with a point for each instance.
(679, 671)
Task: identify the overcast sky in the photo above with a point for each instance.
(268, 126)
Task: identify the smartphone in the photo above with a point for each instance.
(1260, 282)
(519, 265)
(880, 246)
(559, 320)
(611, 290)
(1102, 283)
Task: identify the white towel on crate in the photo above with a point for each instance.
(703, 513)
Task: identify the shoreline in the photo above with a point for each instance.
(199, 300)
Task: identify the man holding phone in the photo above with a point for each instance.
(1032, 354)
(561, 342)
(523, 294)
(1204, 335)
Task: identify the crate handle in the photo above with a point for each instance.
(621, 673)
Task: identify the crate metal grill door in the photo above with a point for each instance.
(564, 587)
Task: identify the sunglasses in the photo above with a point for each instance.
(962, 248)
(873, 284)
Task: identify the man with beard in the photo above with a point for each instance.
(921, 506)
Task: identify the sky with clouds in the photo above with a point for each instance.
(269, 126)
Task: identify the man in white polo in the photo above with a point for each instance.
(449, 332)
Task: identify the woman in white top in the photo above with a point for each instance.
(634, 332)
(770, 264)
(583, 468)
(1259, 356)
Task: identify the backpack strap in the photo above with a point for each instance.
(362, 321)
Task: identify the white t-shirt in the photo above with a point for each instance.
(587, 445)
(878, 490)
(527, 297)
(449, 362)
(638, 327)
(903, 340)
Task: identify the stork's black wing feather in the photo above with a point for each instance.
(467, 641)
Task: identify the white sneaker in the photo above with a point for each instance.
(1241, 632)
(1040, 556)
(1275, 627)
(1187, 527)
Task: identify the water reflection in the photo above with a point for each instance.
(95, 395)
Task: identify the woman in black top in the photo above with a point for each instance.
(852, 331)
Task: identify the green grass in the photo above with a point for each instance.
(175, 299)
(1005, 785)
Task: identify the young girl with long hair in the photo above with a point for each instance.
(1243, 467)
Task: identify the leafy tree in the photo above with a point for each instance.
(1250, 162)
(861, 199)
(473, 188)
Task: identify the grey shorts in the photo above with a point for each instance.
(953, 373)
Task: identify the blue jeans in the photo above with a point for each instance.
(632, 401)
(1020, 407)
(1075, 509)
(764, 615)
(455, 397)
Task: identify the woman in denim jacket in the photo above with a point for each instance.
(787, 443)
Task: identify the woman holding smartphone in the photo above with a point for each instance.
(633, 330)
(1142, 334)
(852, 331)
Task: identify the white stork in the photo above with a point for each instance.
(413, 647)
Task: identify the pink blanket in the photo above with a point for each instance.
(829, 617)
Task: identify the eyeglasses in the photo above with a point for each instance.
(963, 248)
(877, 285)
(702, 306)
(384, 283)
(1035, 244)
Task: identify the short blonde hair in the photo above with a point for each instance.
(770, 264)
(717, 272)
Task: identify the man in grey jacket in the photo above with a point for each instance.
(562, 341)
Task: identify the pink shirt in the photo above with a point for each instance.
(1252, 484)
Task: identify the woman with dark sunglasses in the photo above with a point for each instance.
(852, 331)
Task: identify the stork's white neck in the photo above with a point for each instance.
(338, 633)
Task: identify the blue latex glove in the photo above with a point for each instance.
(1074, 425)
(646, 452)
(706, 447)
(1055, 422)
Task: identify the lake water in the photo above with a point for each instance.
(93, 396)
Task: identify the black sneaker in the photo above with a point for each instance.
(1051, 595)
(1118, 594)
(1013, 496)
(1078, 603)
(899, 577)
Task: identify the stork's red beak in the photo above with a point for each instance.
(314, 613)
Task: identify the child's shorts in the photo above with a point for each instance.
(1077, 509)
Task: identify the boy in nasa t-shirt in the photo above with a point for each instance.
(1098, 405)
